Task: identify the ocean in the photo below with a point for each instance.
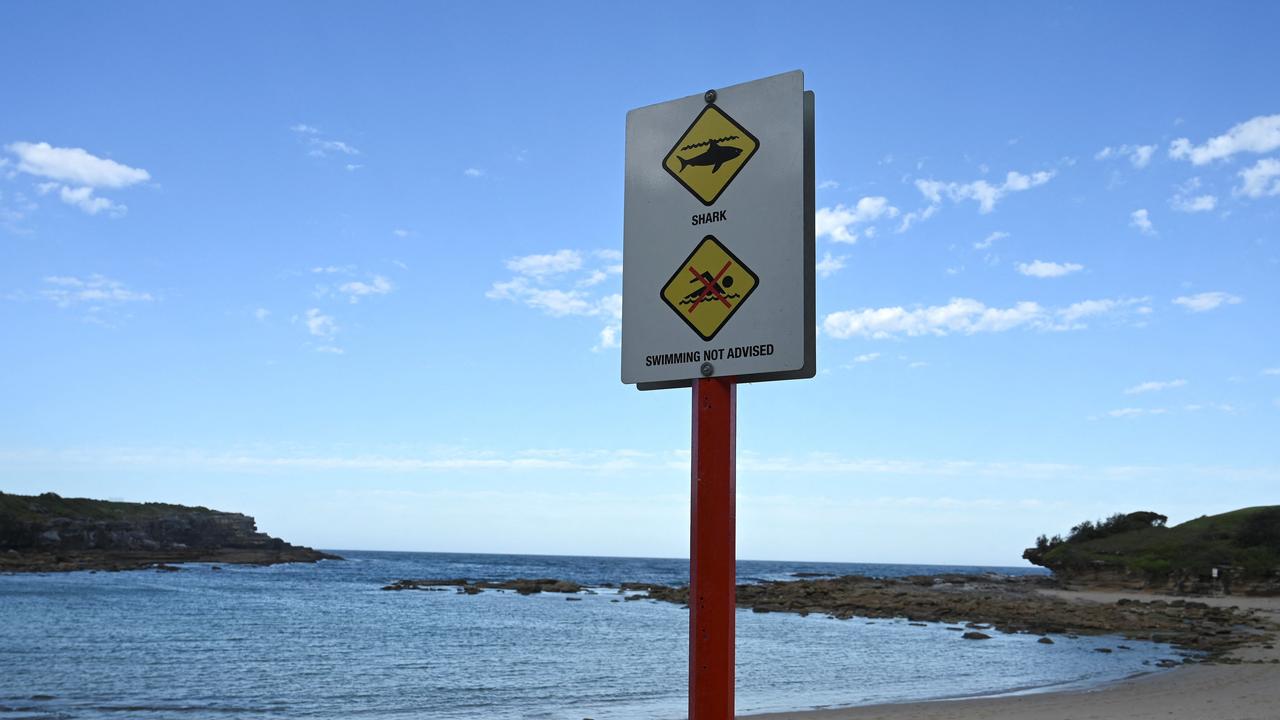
(323, 641)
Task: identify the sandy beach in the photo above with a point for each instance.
(1249, 690)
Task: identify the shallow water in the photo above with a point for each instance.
(322, 641)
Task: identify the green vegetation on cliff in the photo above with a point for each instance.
(27, 508)
(1243, 545)
(49, 532)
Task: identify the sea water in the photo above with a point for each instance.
(324, 641)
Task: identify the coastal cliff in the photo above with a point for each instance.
(1234, 553)
(49, 533)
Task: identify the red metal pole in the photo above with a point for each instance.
(712, 572)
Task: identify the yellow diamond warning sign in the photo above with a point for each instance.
(710, 154)
(709, 287)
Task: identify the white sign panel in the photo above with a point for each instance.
(718, 236)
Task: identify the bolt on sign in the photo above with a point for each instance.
(718, 237)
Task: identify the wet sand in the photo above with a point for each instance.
(1246, 691)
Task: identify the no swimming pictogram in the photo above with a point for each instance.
(721, 283)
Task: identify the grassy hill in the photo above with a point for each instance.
(1244, 545)
(32, 508)
(42, 533)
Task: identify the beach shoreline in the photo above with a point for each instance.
(1244, 684)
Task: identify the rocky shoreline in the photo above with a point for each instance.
(968, 603)
(50, 562)
(48, 533)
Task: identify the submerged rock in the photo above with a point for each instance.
(522, 586)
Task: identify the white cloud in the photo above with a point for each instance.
(473, 172)
(967, 316)
(1256, 135)
(989, 240)
(84, 174)
(1199, 203)
(830, 264)
(1042, 269)
(1072, 316)
(540, 266)
(322, 148)
(1141, 219)
(318, 146)
(83, 198)
(1186, 198)
(1271, 371)
(536, 275)
(352, 167)
(1139, 155)
(74, 166)
(320, 325)
(595, 277)
(840, 222)
(553, 301)
(262, 314)
(1202, 302)
(400, 233)
(355, 290)
(1136, 412)
(95, 289)
(828, 185)
(866, 357)
(1261, 179)
(916, 216)
(608, 338)
(14, 210)
(961, 315)
(1154, 386)
(332, 269)
(981, 191)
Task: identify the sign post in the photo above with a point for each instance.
(712, 573)
(717, 290)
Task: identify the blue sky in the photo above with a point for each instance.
(354, 269)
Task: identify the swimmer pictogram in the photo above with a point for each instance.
(722, 282)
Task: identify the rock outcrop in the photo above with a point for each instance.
(1235, 553)
(47, 532)
(980, 603)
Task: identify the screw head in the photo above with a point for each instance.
(707, 369)
(709, 96)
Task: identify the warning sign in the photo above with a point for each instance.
(709, 287)
(710, 154)
(758, 138)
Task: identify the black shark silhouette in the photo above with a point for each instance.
(715, 156)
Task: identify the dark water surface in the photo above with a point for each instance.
(322, 641)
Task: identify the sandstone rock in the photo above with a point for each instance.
(50, 533)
